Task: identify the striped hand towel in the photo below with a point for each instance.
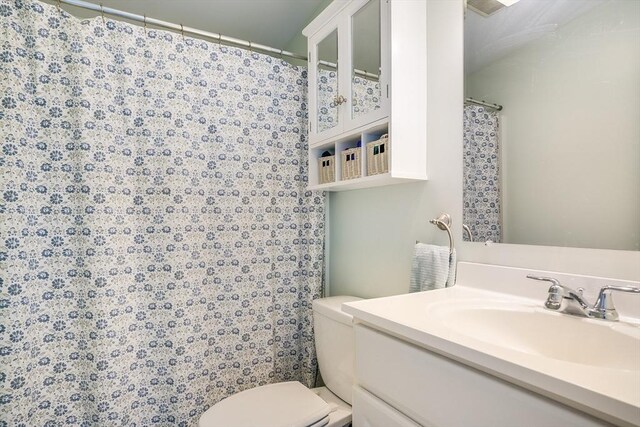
(432, 268)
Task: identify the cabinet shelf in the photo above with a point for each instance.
(364, 182)
(356, 139)
(379, 126)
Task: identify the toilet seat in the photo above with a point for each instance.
(287, 404)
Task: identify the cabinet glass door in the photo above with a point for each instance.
(327, 95)
(366, 68)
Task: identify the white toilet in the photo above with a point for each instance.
(291, 404)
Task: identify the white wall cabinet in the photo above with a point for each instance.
(367, 78)
(348, 70)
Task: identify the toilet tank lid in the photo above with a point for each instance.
(331, 307)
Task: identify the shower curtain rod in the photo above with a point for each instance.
(482, 103)
(194, 31)
(181, 28)
(205, 34)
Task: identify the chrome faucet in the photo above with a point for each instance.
(563, 299)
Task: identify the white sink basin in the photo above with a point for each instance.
(539, 332)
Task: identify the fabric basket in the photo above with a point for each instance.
(327, 169)
(351, 163)
(378, 156)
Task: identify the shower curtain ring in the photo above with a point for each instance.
(250, 47)
(145, 24)
(182, 31)
(58, 6)
(102, 13)
(280, 53)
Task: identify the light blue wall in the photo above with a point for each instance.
(372, 233)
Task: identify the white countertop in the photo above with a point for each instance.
(609, 393)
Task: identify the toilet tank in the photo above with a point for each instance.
(333, 331)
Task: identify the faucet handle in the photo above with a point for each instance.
(555, 299)
(556, 282)
(604, 308)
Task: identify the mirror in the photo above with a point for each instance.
(559, 164)
(327, 67)
(366, 57)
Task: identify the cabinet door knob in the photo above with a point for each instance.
(339, 100)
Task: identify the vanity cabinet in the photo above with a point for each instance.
(367, 79)
(369, 411)
(410, 385)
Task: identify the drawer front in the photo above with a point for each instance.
(369, 411)
(437, 391)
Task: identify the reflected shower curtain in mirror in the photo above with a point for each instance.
(365, 93)
(327, 92)
(481, 169)
(158, 249)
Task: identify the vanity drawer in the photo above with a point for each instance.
(436, 391)
(369, 411)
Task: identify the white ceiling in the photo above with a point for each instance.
(270, 22)
(487, 39)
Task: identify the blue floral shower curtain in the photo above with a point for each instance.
(158, 249)
(482, 198)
